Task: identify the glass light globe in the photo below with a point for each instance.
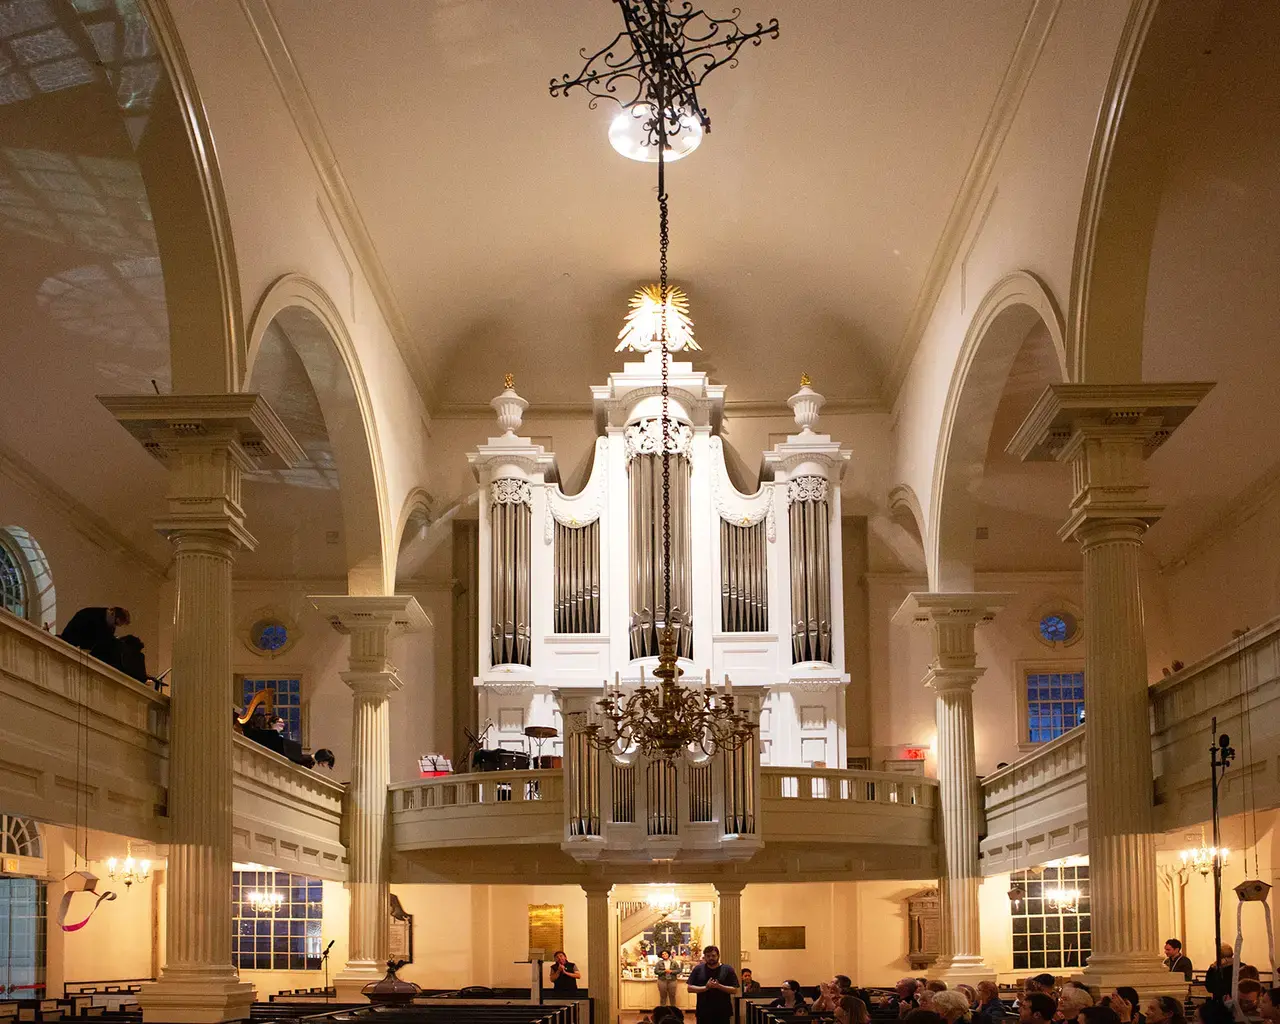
(628, 136)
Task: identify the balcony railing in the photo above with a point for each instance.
(831, 805)
(479, 809)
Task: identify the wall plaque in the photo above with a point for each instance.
(790, 936)
(546, 929)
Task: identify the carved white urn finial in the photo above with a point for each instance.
(805, 403)
(509, 406)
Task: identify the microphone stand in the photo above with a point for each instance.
(325, 957)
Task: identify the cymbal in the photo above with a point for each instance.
(541, 732)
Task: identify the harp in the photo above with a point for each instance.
(264, 698)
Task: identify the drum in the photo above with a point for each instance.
(549, 761)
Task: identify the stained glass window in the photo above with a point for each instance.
(287, 702)
(276, 921)
(270, 635)
(1058, 627)
(1045, 936)
(1055, 704)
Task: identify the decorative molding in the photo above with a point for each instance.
(88, 524)
(1246, 504)
(732, 505)
(509, 490)
(204, 155)
(1017, 76)
(748, 408)
(646, 438)
(585, 507)
(807, 488)
(302, 110)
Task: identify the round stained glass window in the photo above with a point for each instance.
(1058, 627)
(270, 635)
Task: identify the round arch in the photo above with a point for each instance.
(315, 329)
(1015, 305)
(40, 597)
(1140, 113)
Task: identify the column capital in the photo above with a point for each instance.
(952, 619)
(1106, 432)
(373, 685)
(394, 614)
(730, 887)
(208, 442)
(596, 887)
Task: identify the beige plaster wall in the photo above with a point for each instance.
(84, 573)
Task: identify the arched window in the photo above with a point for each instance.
(26, 583)
(19, 837)
(13, 579)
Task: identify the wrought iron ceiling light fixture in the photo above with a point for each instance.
(673, 48)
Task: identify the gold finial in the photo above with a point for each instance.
(509, 381)
(804, 380)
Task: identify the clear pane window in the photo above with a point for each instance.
(276, 921)
(1047, 936)
(1055, 704)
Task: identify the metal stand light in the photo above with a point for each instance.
(1221, 754)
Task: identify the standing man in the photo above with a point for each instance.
(715, 985)
(564, 975)
(1175, 959)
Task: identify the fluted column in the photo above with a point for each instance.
(731, 922)
(953, 620)
(370, 622)
(599, 950)
(206, 442)
(1105, 433)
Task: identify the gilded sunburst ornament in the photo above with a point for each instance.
(642, 331)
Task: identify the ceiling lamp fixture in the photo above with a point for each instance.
(662, 899)
(265, 901)
(130, 870)
(628, 135)
(1201, 858)
(1064, 900)
(672, 51)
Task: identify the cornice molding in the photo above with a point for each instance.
(84, 521)
(1246, 504)
(585, 410)
(311, 131)
(1017, 76)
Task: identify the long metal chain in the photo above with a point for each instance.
(664, 239)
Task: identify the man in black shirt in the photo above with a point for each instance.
(715, 985)
(1177, 961)
(564, 975)
(94, 630)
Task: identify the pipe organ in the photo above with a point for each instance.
(571, 596)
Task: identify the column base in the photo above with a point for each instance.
(349, 982)
(1144, 971)
(966, 968)
(196, 995)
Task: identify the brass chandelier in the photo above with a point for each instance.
(673, 48)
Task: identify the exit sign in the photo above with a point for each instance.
(11, 865)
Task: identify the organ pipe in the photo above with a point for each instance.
(576, 587)
(648, 611)
(809, 520)
(744, 598)
(510, 519)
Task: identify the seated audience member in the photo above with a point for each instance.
(1041, 983)
(1249, 972)
(936, 985)
(325, 757)
(989, 1005)
(1164, 1010)
(924, 998)
(1249, 994)
(1176, 960)
(1074, 998)
(969, 993)
(668, 1015)
(852, 1010)
(750, 987)
(904, 996)
(1100, 1014)
(94, 630)
(1124, 1000)
(1217, 979)
(791, 999)
(1037, 1008)
(1269, 1006)
(1211, 1011)
(952, 1007)
(830, 993)
(923, 1017)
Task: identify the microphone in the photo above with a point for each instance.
(328, 947)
